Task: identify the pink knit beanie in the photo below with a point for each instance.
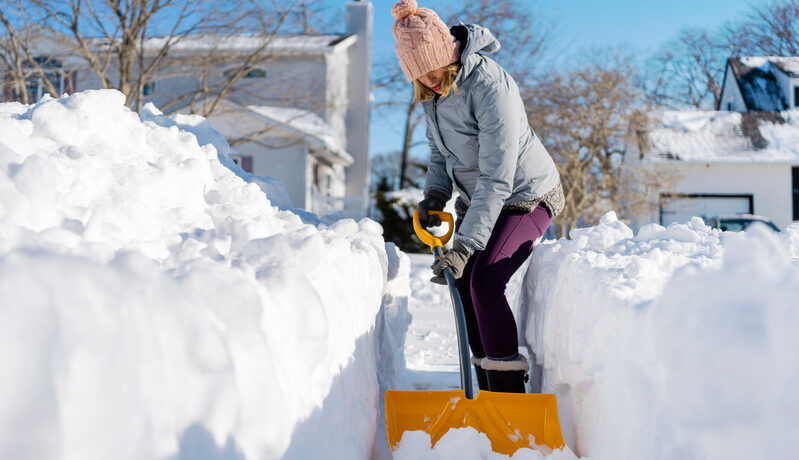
(423, 40)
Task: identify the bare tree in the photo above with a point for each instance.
(129, 44)
(770, 29)
(585, 117)
(688, 71)
(385, 169)
(523, 32)
(522, 29)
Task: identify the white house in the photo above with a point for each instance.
(742, 158)
(301, 117)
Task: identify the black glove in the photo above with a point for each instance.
(456, 260)
(434, 200)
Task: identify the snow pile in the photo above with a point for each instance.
(706, 136)
(156, 305)
(677, 342)
(466, 443)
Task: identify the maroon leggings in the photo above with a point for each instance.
(489, 320)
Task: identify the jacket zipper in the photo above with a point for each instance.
(438, 129)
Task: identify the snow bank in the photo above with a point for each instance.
(156, 305)
(675, 343)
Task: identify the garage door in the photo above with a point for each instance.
(680, 208)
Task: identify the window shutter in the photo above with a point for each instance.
(69, 82)
(246, 163)
(795, 174)
(9, 93)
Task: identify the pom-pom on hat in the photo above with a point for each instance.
(424, 42)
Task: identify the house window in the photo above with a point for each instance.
(252, 73)
(148, 88)
(40, 71)
(796, 96)
(729, 106)
(244, 161)
(795, 172)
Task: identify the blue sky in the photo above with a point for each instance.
(643, 25)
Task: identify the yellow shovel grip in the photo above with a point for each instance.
(428, 238)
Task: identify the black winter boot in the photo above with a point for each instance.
(507, 375)
(482, 378)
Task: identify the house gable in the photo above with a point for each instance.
(786, 70)
(731, 98)
(758, 85)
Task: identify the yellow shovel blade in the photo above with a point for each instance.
(510, 420)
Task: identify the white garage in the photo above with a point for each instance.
(725, 163)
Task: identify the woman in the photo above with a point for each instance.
(509, 188)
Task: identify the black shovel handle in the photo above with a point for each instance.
(460, 326)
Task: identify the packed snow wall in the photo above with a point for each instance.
(675, 343)
(156, 303)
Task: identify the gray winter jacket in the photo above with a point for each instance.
(481, 142)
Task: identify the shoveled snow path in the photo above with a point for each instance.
(431, 344)
(431, 356)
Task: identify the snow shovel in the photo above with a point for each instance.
(510, 420)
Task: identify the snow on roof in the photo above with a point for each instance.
(305, 123)
(755, 61)
(758, 84)
(789, 65)
(278, 43)
(701, 136)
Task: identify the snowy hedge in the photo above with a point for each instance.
(675, 343)
(155, 304)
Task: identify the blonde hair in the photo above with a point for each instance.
(422, 93)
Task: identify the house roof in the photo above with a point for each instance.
(757, 82)
(303, 124)
(278, 44)
(306, 124)
(723, 137)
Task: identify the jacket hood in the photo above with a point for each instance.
(477, 39)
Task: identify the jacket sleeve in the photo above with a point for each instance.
(497, 109)
(437, 177)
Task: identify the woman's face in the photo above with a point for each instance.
(433, 79)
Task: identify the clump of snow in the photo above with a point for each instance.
(467, 444)
(756, 61)
(156, 305)
(678, 342)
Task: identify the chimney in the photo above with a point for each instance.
(359, 22)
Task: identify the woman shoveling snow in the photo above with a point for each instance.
(509, 188)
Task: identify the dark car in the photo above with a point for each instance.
(738, 222)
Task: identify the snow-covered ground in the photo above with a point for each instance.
(158, 302)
